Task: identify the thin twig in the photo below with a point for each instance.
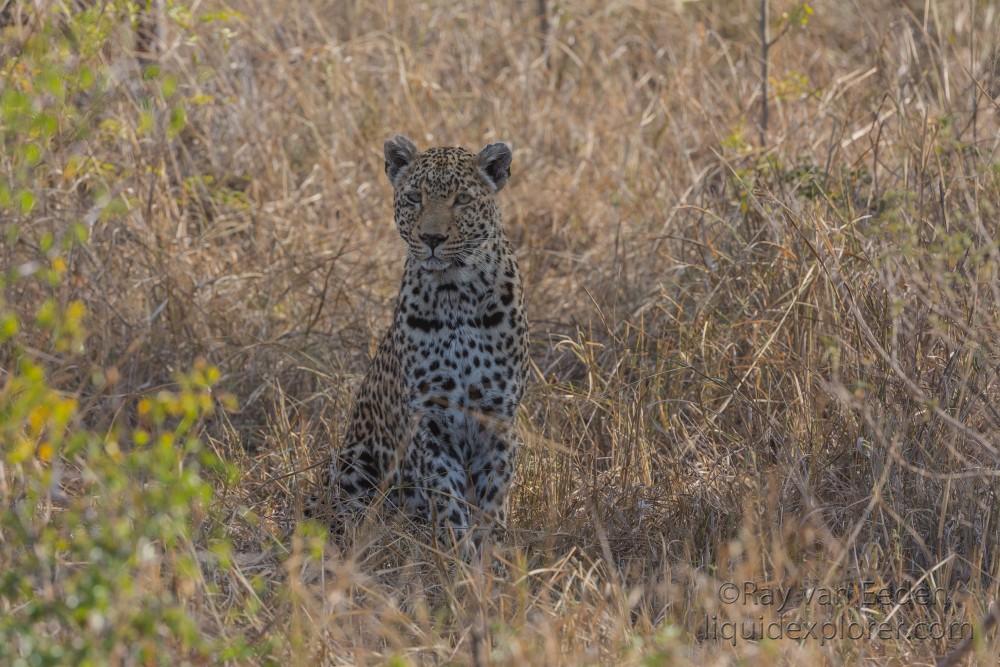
(765, 46)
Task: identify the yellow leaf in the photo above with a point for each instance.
(201, 100)
(75, 312)
(21, 451)
(71, 169)
(113, 450)
(45, 451)
(37, 417)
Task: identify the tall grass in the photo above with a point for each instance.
(774, 366)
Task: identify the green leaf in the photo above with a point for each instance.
(46, 124)
(800, 14)
(14, 105)
(26, 200)
(146, 123)
(46, 314)
(8, 327)
(32, 154)
(52, 82)
(79, 232)
(178, 119)
(169, 86)
(85, 78)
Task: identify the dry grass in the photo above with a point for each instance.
(770, 364)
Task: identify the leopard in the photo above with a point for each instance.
(432, 429)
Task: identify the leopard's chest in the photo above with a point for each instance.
(459, 366)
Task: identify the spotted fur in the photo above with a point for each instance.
(433, 421)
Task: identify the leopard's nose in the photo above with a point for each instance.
(433, 240)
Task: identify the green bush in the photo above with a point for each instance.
(99, 514)
(98, 527)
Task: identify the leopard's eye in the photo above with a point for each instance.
(413, 197)
(463, 199)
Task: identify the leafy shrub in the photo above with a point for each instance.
(98, 527)
(99, 516)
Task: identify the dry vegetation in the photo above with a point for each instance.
(769, 363)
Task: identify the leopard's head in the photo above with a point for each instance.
(444, 200)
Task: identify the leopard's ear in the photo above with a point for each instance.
(494, 165)
(399, 153)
